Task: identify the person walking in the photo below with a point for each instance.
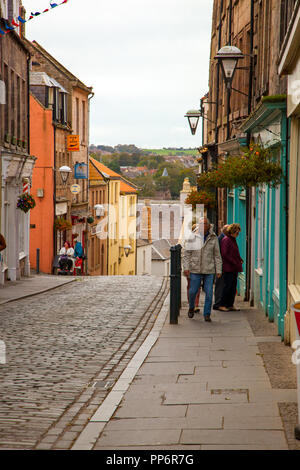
(197, 310)
(232, 266)
(78, 253)
(201, 261)
(2, 242)
(219, 283)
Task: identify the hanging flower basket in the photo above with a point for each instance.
(255, 167)
(61, 224)
(26, 202)
(202, 197)
(90, 220)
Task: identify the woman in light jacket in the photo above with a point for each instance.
(232, 266)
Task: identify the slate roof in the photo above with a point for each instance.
(161, 249)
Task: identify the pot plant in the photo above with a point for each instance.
(26, 202)
(61, 224)
(254, 167)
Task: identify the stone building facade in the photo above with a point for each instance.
(73, 99)
(253, 109)
(15, 159)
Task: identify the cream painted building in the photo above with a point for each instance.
(290, 65)
(127, 242)
(121, 223)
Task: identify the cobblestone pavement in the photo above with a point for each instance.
(64, 350)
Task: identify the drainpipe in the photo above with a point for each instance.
(88, 183)
(287, 186)
(248, 190)
(215, 154)
(218, 75)
(54, 191)
(229, 89)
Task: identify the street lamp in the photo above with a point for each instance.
(127, 250)
(228, 57)
(64, 173)
(193, 117)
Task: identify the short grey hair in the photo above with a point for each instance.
(205, 218)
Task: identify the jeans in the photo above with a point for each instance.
(195, 283)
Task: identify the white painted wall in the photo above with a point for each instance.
(144, 260)
(160, 268)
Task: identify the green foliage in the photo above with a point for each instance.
(146, 185)
(255, 167)
(202, 197)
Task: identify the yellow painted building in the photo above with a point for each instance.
(98, 243)
(121, 223)
(127, 246)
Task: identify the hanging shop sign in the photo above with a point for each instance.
(81, 171)
(75, 188)
(73, 144)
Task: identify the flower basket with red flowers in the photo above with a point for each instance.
(254, 167)
(26, 202)
(202, 197)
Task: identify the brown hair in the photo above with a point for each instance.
(233, 228)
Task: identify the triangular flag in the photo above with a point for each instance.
(53, 5)
(2, 32)
(8, 27)
(297, 316)
(21, 19)
(15, 23)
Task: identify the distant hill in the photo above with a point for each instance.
(131, 149)
(171, 151)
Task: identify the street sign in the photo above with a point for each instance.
(73, 144)
(75, 188)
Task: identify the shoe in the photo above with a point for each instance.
(207, 318)
(191, 313)
(224, 309)
(215, 307)
(197, 310)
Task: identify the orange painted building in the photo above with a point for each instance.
(42, 217)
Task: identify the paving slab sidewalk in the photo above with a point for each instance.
(199, 386)
(32, 285)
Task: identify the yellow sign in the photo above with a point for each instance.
(75, 189)
(73, 144)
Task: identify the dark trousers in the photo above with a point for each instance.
(219, 286)
(65, 264)
(229, 289)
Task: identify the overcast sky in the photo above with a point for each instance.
(147, 61)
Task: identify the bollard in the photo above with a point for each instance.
(296, 360)
(175, 284)
(38, 261)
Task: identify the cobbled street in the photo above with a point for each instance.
(64, 350)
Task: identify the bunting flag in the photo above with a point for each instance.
(14, 25)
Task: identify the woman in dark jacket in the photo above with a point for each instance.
(232, 266)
